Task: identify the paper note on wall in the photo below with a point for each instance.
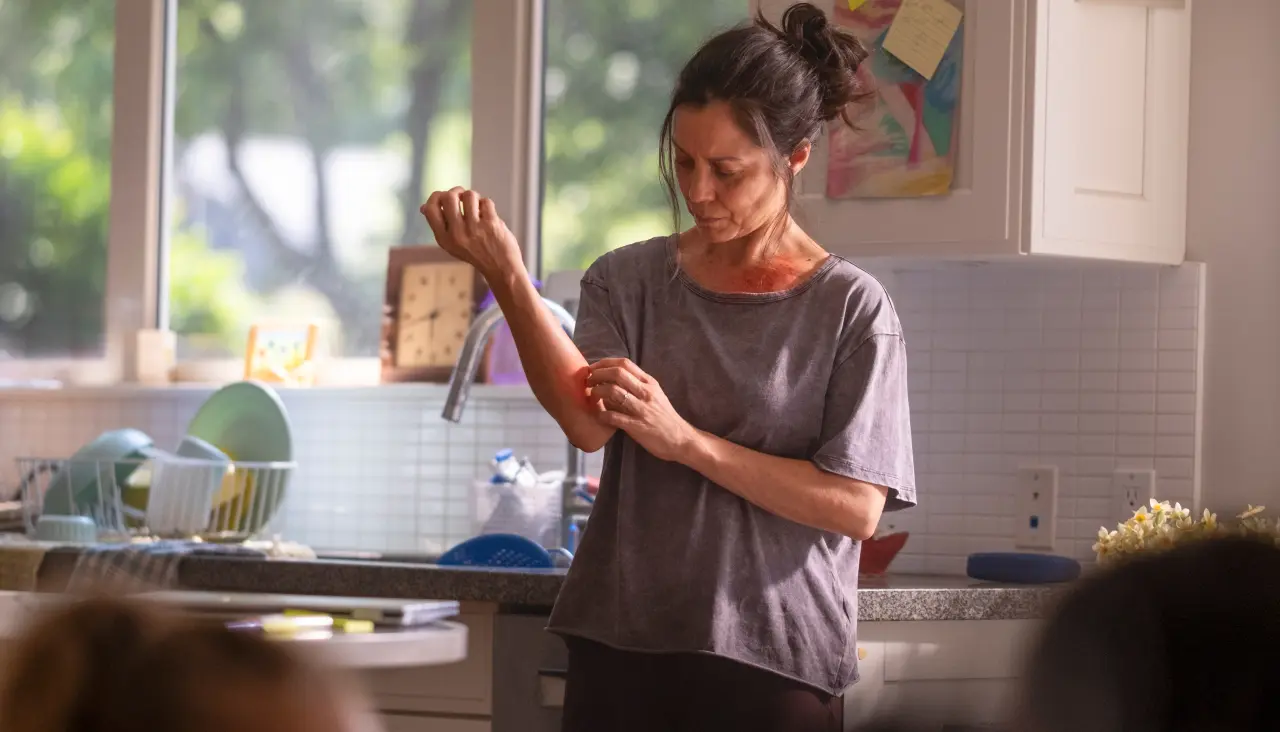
(855, 4)
(921, 32)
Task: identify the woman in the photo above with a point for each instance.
(750, 392)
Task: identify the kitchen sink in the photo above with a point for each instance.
(393, 557)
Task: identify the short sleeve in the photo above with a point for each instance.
(598, 333)
(866, 425)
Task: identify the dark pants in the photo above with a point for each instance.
(608, 690)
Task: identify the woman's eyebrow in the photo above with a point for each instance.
(725, 159)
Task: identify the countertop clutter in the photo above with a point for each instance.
(889, 598)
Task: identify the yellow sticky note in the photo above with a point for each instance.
(921, 32)
(855, 4)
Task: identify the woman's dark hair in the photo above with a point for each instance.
(783, 84)
(1182, 641)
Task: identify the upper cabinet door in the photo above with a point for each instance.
(982, 214)
(1071, 140)
(1112, 83)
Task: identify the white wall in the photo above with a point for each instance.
(1234, 226)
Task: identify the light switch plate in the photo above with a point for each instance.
(1132, 489)
(1037, 507)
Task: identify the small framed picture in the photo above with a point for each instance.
(282, 352)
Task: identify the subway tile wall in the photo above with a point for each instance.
(1089, 368)
(378, 469)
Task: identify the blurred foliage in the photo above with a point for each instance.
(609, 72)
(55, 176)
(389, 75)
(53, 203)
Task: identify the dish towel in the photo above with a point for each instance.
(20, 566)
(142, 567)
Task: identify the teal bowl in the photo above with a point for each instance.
(96, 472)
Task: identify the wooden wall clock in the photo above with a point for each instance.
(430, 301)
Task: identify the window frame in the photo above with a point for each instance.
(506, 158)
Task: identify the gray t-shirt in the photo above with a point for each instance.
(673, 562)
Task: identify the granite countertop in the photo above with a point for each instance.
(895, 597)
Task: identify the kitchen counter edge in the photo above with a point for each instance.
(897, 598)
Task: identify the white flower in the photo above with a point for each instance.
(1162, 525)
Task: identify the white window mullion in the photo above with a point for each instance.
(133, 240)
(506, 104)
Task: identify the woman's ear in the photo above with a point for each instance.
(800, 156)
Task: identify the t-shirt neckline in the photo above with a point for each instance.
(673, 262)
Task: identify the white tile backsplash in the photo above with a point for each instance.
(1087, 367)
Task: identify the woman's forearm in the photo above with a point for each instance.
(793, 489)
(555, 368)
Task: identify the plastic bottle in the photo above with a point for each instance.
(505, 466)
(507, 469)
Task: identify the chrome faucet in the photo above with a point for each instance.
(572, 511)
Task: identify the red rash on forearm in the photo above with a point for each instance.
(576, 385)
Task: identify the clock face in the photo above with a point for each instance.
(434, 313)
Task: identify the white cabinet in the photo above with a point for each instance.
(1072, 141)
(460, 690)
(957, 672)
(411, 723)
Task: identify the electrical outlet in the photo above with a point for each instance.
(1037, 507)
(1132, 489)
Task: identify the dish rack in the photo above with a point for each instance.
(164, 497)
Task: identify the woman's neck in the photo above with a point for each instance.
(756, 263)
(761, 247)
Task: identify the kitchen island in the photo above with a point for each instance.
(947, 645)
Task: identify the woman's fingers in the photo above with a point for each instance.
(620, 376)
(452, 206)
(615, 398)
(622, 363)
(434, 214)
(444, 210)
(470, 206)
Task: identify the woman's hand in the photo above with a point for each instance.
(467, 226)
(634, 402)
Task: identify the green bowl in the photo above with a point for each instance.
(247, 421)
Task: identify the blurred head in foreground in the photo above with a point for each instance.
(117, 666)
(1179, 641)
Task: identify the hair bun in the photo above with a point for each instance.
(834, 55)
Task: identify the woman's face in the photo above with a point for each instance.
(728, 182)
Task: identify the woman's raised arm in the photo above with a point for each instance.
(467, 226)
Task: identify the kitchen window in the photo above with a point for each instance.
(610, 67)
(56, 60)
(266, 155)
(305, 132)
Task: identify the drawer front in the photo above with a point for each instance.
(943, 650)
(427, 723)
(465, 687)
